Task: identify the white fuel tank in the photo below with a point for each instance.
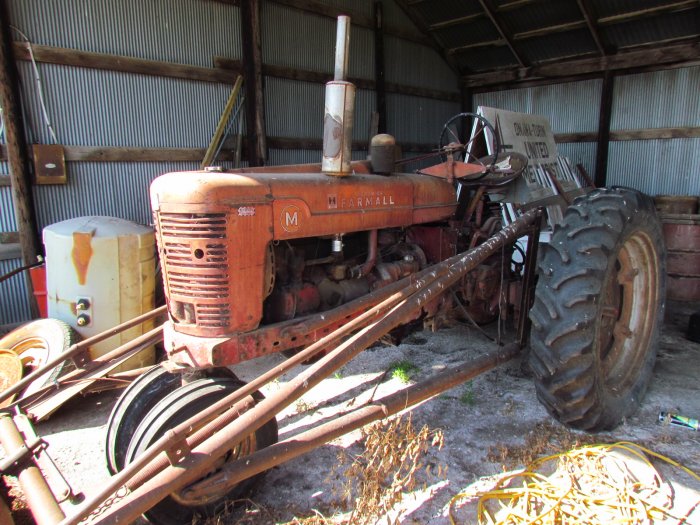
(100, 272)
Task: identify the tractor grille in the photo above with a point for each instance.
(196, 267)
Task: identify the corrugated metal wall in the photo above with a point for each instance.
(657, 100)
(572, 107)
(104, 108)
(660, 99)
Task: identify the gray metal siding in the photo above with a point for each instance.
(7, 215)
(656, 167)
(417, 119)
(294, 38)
(571, 107)
(14, 307)
(656, 100)
(122, 109)
(183, 31)
(103, 188)
(417, 65)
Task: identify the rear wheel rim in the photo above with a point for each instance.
(628, 311)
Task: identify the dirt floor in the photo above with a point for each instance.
(491, 424)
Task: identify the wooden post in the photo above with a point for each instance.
(252, 67)
(17, 154)
(379, 66)
(603, 142)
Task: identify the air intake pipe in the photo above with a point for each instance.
(339, 108)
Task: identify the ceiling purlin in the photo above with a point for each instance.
(500, 30)
(648, 12)
(455, 21)
(585, 9)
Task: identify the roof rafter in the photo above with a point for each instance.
(585, 9)
(500, 30)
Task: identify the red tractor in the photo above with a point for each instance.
(319, 261)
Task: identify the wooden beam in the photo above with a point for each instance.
(585, 8)
(633, 59)
(477, 45)
(124, 64)
(17, 152)
(455, 21)
(321, 78)
(252, 67)
(544, 31)
(603, 141)
(516, 4)
(379, 67)
(648, 12)
(131, 154)
(656, 134)
(500, 30)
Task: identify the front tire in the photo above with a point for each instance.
(598, 308)
(173, 409)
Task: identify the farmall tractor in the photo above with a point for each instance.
(320, 261)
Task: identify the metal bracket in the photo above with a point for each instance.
(14, 463)
(177, 451)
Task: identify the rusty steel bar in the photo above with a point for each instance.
(153, 460)
(71, 385)
(201, 460)
(140, 475)
(39, 497)
(232, 473)
(76, 349)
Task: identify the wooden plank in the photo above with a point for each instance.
(320, 77)
(16, 150)
(633, 59)
(9, 237)
(655, 134)
(252, 72)
(124, 64)
(225, 71)
(563, 138)
(17, 153)
(633, 134)
(379, 67)
(603, 141)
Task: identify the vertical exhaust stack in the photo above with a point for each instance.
(339, 110)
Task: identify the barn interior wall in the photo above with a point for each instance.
(661, 99)
(650, 103)
(102, 108)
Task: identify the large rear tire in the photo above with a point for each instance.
(598, 308)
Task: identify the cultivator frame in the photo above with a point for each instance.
(177, 460)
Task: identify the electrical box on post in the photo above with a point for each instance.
(49, 164)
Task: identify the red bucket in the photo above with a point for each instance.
(38, 277)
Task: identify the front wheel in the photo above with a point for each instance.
(173, 409)
(598, 307)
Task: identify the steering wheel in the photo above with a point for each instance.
(465, 136)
